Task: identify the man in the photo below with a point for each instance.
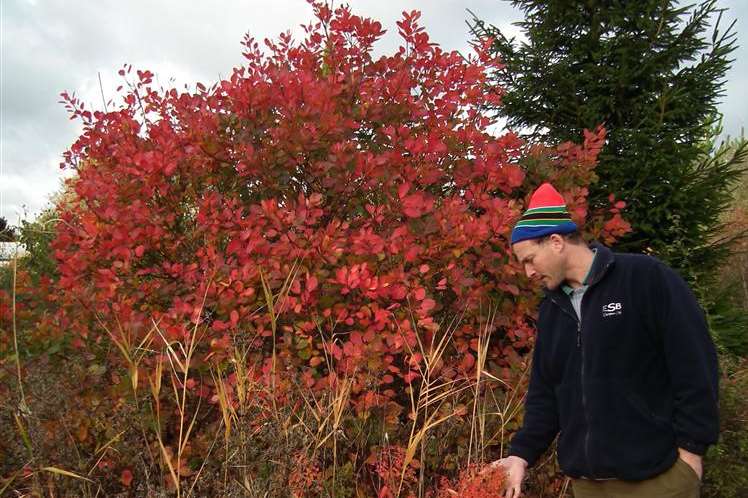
(624, 370)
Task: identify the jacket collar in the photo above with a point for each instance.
(603, 260)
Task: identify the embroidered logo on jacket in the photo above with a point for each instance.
(612, 309)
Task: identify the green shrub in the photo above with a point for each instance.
(726, 464)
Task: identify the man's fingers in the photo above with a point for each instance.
(517, 491)
(512, 491)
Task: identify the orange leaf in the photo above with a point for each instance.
(126, 477)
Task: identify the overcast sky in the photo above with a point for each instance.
(53, 45)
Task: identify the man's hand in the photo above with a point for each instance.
(693, 460)
(514, 468)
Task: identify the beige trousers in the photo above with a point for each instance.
(680, 481)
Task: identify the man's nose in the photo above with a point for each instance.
(530, 271)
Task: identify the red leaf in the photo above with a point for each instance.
(427, 305)
(403, 189)
(126, 477)
(311, 283)
(398, 292)
(416, 205)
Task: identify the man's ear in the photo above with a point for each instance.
(557, 242)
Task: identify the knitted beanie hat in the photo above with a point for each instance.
(547, 214)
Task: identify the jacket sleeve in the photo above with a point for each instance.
(691, 360)
(540, 424)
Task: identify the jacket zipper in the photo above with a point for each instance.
(582, 369)
(581, 379)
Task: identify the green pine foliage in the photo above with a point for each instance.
(7, 234)
(653, 72)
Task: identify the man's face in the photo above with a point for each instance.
(543, 261)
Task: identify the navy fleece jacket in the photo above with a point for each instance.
(629, 383)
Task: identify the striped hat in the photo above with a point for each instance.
(547, 214)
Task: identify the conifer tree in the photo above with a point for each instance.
(7, 233)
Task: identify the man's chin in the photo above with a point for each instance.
(550, 286)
